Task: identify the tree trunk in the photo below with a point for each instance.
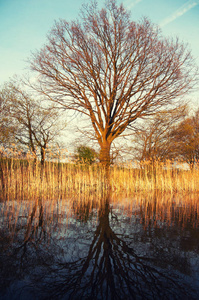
(104, 157)
(42, 156)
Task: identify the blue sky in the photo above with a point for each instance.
(24, 25)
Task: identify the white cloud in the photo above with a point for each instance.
(179, 12)
(131, 4)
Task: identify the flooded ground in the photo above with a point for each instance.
(110, 248)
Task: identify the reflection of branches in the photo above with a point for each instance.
(34, 233)
(20, 253)
(113, 270)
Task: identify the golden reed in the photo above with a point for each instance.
(27, 179)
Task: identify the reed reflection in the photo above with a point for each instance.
(108, 252)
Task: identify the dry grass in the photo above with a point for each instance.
(25, 179)
(160, 176)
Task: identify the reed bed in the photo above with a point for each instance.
(162, 176)
(27, 179)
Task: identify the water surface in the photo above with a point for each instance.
(109, 248)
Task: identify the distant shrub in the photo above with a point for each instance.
(85, 155)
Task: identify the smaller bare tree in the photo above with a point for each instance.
(186, 138)
(36, 125)
(6, 126)
(153, 138)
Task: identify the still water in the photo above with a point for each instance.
(108, 248)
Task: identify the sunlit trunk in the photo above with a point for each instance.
(105, 158)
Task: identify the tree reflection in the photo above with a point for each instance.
(22, 248)
(113, 269)
(114, 258)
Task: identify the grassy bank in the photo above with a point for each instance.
(27, 179)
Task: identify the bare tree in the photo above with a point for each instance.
(35, 125)
(153, 139)
(6, 127)
(112, 70)
(185, 135)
